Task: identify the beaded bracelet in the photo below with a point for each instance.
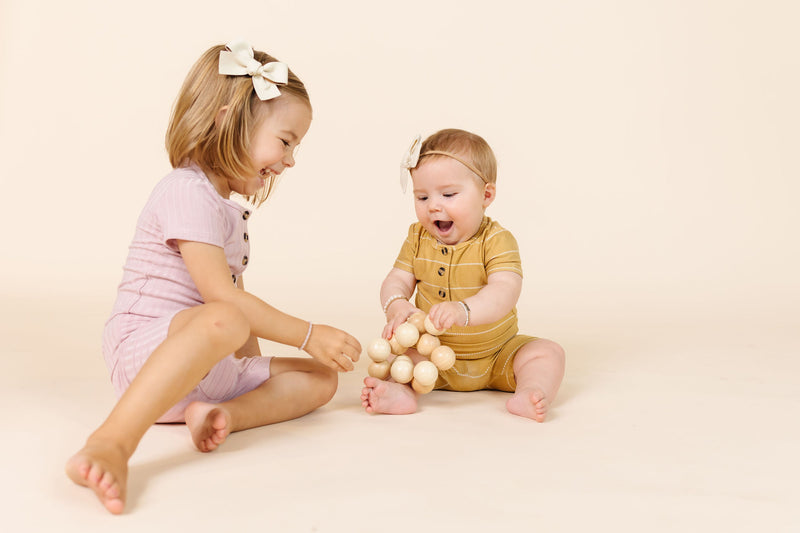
(466, 311)
(308, 336)
(391, 299)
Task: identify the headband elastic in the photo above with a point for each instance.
(412, 156)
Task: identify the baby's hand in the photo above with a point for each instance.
(397, 313)
(447, 314)
(333, 347)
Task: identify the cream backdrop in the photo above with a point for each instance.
(647, 150)
(648, 165)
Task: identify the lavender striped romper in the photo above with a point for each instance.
(156, 285)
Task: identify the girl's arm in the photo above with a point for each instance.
(491, 303)
(251, 347)
(209, 270)
(398, 286)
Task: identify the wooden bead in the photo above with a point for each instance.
(430, 328)
(418, 321)
(425, 373)
(422, 389)
(380, 369)
(379, 350)
(427, 343)
(402, 370)
(395, 346)
(406, 335)
(443, 357)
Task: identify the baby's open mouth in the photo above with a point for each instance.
(444, 225)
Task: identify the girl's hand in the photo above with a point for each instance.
(447, 314)
(397, 313)
(333, 347)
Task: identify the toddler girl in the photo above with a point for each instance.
(181, 344)
(466, 271)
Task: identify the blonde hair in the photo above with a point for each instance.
(193, 136)
(462, 143)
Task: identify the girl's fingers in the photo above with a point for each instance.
(345, 362)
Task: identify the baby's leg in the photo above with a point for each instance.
(390, 397)
(387, 397)
(538, 369)
(296, 387)
(198, 338)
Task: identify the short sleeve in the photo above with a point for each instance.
(501, 252)
(405, 259)
(187, 210)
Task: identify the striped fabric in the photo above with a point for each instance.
(455, 272)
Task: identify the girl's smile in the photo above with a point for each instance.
(283, 123)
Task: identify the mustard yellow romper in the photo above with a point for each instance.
(484, 354)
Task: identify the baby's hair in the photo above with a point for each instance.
(463, 143)
(193, 136)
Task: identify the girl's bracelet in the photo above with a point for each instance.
(391, 299)
(308, 336)
(466, 311)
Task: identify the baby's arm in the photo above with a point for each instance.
(494, 301)
(397, 283)
(209, 270)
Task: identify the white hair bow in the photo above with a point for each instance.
(239, 60)
(409, 161)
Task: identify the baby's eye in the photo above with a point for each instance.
(449, 194)
(422, 198)
(285, 143)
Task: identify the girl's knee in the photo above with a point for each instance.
(224, 324)
(329, 382)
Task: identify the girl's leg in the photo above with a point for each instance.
(198, 338)
(538, 369)
(296, 387)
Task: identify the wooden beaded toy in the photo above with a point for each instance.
(417, 330)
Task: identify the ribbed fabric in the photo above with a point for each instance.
(156, 284)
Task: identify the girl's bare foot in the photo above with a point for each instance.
(208, 423)
(387, 397)
(102, 467)
(530, 403)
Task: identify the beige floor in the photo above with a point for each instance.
(661, 425)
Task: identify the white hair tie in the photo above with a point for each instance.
(239, 60)
(409, 161)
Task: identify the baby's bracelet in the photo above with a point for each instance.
(466, 311)
(308, 336)
(391, 299)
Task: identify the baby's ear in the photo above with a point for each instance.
(489, 192)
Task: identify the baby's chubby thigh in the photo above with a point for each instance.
(467, 374)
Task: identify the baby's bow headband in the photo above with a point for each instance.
(409, 161)
(412, 155)
(239, 60)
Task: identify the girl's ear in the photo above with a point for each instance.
(489, 193)
(220, 116)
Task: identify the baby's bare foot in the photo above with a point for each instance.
(102, 467)
(208, 423)
(530, 403)
(387, 397)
